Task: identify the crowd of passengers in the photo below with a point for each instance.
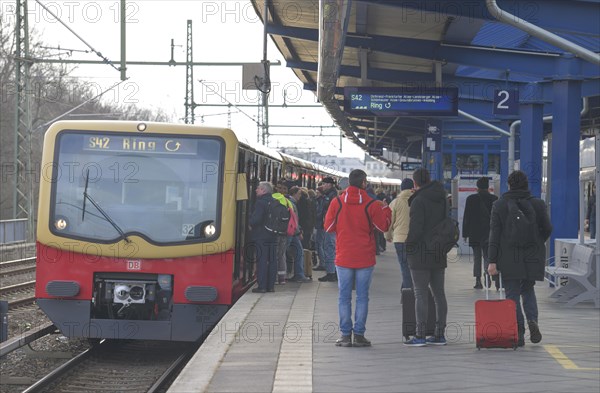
(341, 231)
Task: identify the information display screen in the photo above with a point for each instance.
(401, 101)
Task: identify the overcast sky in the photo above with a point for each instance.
(223, 31)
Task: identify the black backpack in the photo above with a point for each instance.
(521, 223)
(278, 218)
(445, 234)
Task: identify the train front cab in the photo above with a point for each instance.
(137, 229)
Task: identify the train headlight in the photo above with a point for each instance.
(61, 224)
(210, 230)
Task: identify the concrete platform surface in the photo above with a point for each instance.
(284, 342)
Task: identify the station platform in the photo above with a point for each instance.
(284, 342)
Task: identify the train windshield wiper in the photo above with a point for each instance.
(106, 216)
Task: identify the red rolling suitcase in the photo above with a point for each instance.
(496, 322)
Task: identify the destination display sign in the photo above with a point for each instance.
(401, 101)
(119, 143)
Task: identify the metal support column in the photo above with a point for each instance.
(22, 197)
(504, 170)
(565, 159)
(189, 77)
(532, 134)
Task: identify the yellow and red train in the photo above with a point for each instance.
(142, 227)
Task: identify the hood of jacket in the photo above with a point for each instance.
(355, 196)
(405, 194)
(433, 191)
(281, 198)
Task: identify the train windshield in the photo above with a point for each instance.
(166, 189)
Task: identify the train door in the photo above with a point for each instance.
(244, 262)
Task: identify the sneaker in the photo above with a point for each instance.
(534, 332)
(416, 342)
(433, 340)
(361, 341)
(344, 341)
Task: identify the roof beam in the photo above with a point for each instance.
(526, 62)
(575, 16)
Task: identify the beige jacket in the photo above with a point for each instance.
(400, 217)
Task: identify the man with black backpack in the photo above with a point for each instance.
(427, 258)
(476, 226)
(519, 228)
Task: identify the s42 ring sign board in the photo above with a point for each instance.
(401, 101)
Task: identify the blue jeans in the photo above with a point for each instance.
(346, 278)
(517, 289)
(294, 243)
(404, 269)
(319, 245)
(329, 251)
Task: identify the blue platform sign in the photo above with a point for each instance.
(401, 101)
(433, 139)
(506, 102)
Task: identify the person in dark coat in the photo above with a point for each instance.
(520, 267)
(428, 207)
(265, 242)
(307, 215)
(476, 226)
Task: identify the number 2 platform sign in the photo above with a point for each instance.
(506, 102)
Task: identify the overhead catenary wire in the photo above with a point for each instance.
(229, 102)
(99, 54)
(78, 106)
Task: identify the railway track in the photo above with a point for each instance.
(18, 294)
(17, 267)
(118, 366)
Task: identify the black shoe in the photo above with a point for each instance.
(300, 279)
(344, 341)
(478, 284)
(319, 269)
(258, 290)
(534, 332)
(271, 290)
(361, 341)
(328, 277)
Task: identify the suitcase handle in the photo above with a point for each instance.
(487, 287)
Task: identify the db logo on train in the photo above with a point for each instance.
(135, 264)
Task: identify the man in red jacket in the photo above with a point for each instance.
(354, 216)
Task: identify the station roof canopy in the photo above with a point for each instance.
(423, 44)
